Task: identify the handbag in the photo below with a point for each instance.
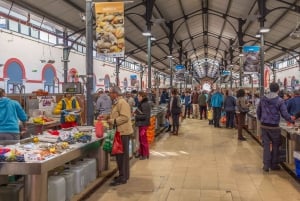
(117, 147)
(243, 109)
(210, 115)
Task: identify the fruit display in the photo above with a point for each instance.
(41, 120)
(76, 137)
(12, 155)
(45, 146)
(151, 130)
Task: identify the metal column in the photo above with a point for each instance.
(262, 66)
(65, 55)
(89, 64)
(118, 64)
(171, 76)
(241, 71)
(231, 68)
(149, 60)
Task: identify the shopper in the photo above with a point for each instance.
(121, 114)
(269, 110)
(104, 103)
(175, 110)
(164, 98)
(210, 121)
(293, 104)
(130, 100)
(11, 113)
(142, 121)
(229, 107)
(202, 101)
(195, 103)
(217, 104)
(242, 109)
(68, 104)
(187, 104)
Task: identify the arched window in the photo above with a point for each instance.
(14, 70)
(125, 83)
(106, 82)
(49, 75)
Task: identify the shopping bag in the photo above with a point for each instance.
(210, 115)
(99, 129)
(117, 144)
(108, 142)
(223, 120)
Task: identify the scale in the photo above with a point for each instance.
(72, 87)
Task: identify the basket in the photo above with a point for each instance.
(34, 129)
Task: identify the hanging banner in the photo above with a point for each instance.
(252, 59)
(110, 29)
(179, 73)
(133, 80)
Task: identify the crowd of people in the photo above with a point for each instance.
(119, 108)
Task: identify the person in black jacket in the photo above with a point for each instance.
(142, 120)
(175, 110)
(229, 107)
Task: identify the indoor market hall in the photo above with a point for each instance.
(202, 163)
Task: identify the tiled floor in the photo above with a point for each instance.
(202, 164)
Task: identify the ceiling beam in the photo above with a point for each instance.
(45, 14)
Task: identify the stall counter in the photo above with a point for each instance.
(36, 173)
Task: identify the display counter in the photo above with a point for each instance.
(290, 140)
(36, 172)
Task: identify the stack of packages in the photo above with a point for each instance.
(151, 130)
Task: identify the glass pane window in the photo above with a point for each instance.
(24, 29)
(13, 25)
(3, 23)
(34, 33)
(44, 36)
(52, 39)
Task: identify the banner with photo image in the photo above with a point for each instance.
(251, 59)
(179, 73)
(133, 80)
(110, 35)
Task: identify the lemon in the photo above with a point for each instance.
(35, 140)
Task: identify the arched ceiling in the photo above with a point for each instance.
(201, 28)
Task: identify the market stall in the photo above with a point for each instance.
(290, 140)
(35, 157)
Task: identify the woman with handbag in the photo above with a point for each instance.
(243, 108)
(142, 120)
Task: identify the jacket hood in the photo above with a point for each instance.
(3, 102)
(271, 98)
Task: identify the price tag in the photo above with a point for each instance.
(30, 157)
(64, 135)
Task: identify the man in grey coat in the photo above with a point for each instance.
(104, 103)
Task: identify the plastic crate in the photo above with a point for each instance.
(297, 167)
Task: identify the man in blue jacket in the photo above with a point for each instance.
(10, 114)
(269, 110)
(293, 104)
(216, 104)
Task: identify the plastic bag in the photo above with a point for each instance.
(108, 142)
(117, 144)
(99, 129)
(223, 120)
(210, 115)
